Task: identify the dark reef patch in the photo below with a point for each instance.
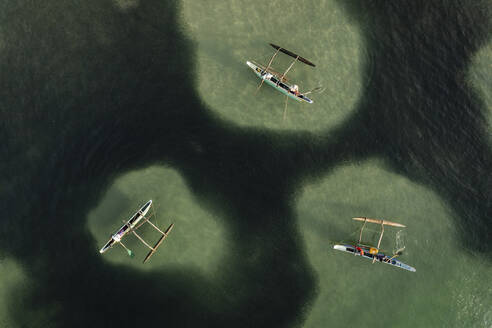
(88, 93)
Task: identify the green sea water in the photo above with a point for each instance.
(479, 76)
(214, 270)
(449, 287)
(199, 240)
(229, 34)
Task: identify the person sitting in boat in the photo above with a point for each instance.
(295, 89)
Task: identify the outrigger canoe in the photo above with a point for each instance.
(277, 82)
(373, 253)
(127, 227)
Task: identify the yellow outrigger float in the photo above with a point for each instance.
(373, 253)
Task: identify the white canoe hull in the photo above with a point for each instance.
(127, 227)
(381, 258)
(273, 81)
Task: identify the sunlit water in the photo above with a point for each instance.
(106, 105)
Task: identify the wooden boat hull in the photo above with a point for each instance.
(379, 257)
(273, 81)
(127, 227)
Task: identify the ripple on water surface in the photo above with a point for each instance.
(197, 240)
(451, 286)
(480, 77)
(229, 33)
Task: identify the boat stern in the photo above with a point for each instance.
(108, 245)
(340, 247)
(251, 65)
(257, 69)
(146, 207)
(306, 99)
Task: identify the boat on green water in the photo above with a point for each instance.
(133, 224)
(279, 81)
(374, 253)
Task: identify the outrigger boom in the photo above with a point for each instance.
(279, 81)
(373, 253)
(133, 224)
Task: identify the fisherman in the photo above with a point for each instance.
(295, 89)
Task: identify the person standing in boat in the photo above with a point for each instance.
(295, 89)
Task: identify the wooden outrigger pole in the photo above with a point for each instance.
(266, 69)
(278, 80)
(288, 69)
(131, 226)
(382, 223)
(372, 253)
(289, 53)
(159, 242)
